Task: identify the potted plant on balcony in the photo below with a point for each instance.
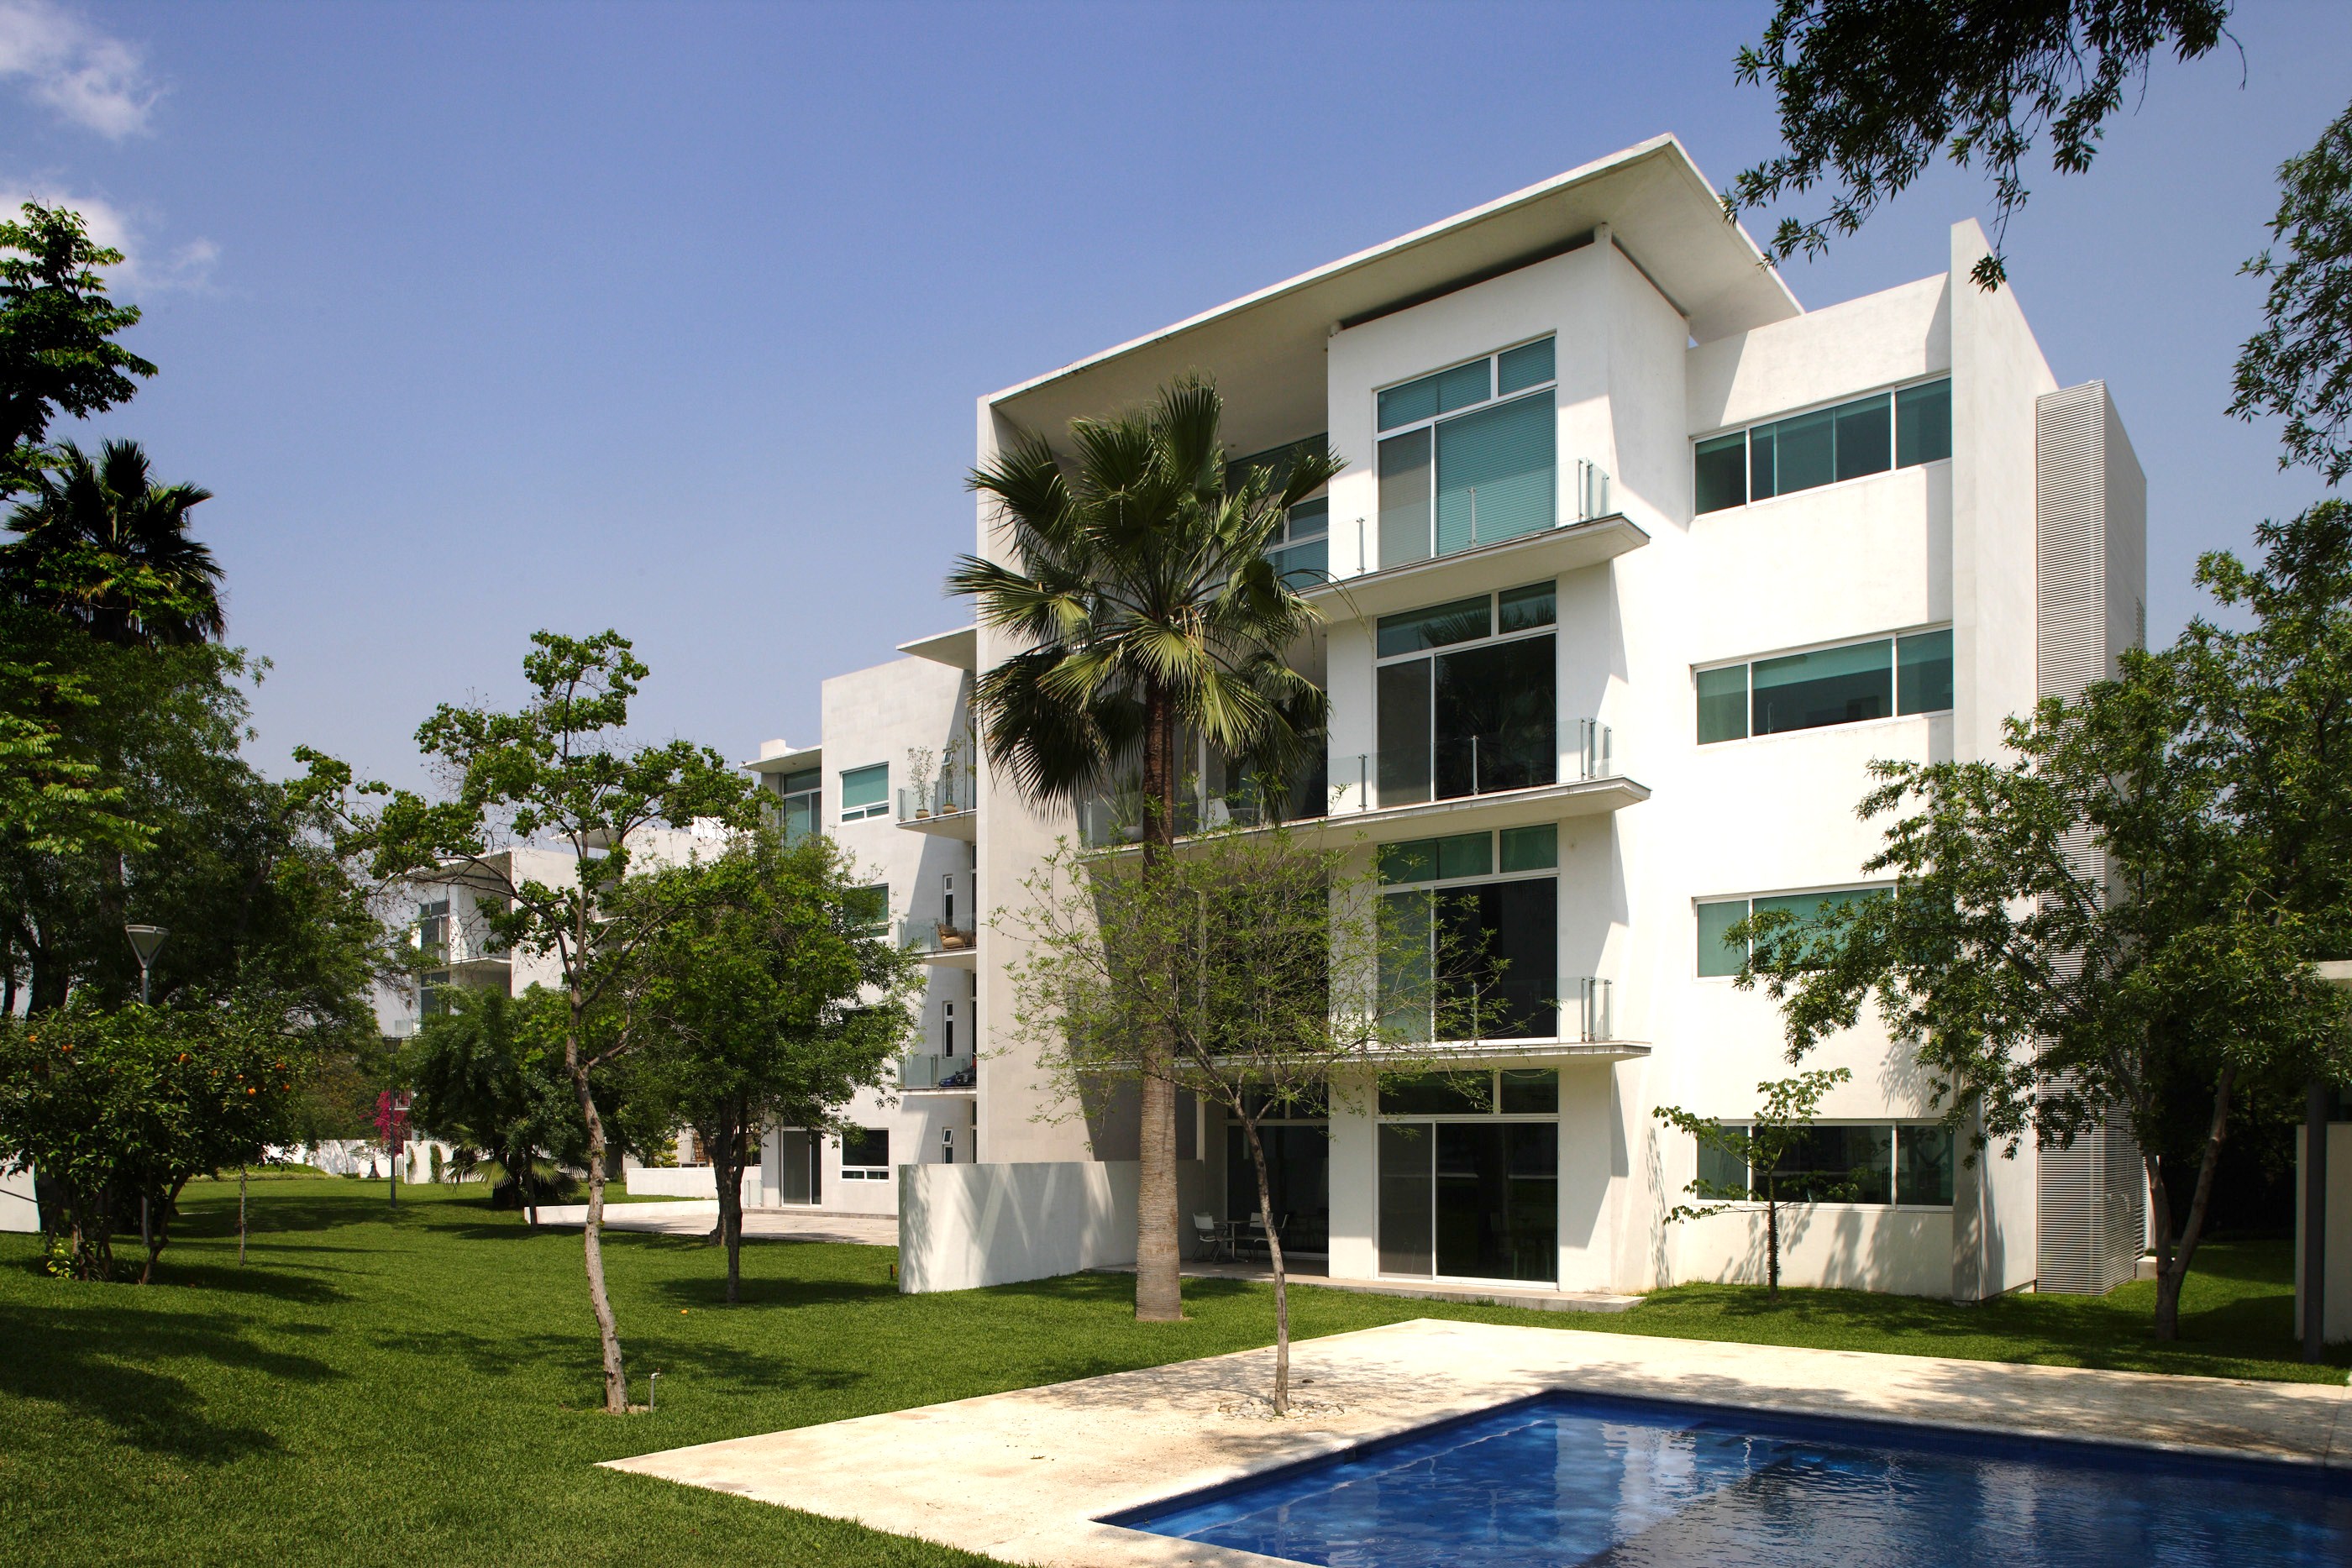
(918, 778)
(955, 774)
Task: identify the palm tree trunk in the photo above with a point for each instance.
(1159, 1289)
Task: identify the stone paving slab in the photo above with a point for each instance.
(697, 1216)
(1034, 1470)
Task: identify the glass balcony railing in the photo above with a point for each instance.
(933, 1072)
(1304, 564)
(950, 797)
(927, 936)
(1457, 767)
(1574, 1009)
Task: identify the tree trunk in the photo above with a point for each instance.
(727, 1171)
(591, 1240)
(1274, 1256)
(1159, 1289)
(240, 1216)
(2172, 1268)
(1771, 1237)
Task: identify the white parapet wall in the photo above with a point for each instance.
(19, 1210)
(1900, 1251)
(690, 1181)
(963, 1226)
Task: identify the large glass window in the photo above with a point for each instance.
(801, 792)
(1867, 1164)
(1469, 1176)
(1846, 684)
(1469, 720)
(1301, 550)
(1718, 956)
(1472, 959)
(1469, 455)
(1868, 435)
(865, 1153)
(865, 792)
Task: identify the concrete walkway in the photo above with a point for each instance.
(1035, 1468)
(697, 1216)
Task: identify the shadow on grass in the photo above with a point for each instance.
(103, 1362)
(760, 1293)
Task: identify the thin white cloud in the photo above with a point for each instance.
(149, 266)
(91, 78)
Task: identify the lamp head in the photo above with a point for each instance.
(145, 940)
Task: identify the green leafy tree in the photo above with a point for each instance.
(122, 1109)
(2300, 364)
(767, 994)
(1138, 584)
(2045, 981)
(1871, 92)
(1761, 1147)
(559, 769)
(485, 1081)
(57, 330)
(1272, 966)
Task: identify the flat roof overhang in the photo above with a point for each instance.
(1266, 349)
(958, 649)
(792, 761)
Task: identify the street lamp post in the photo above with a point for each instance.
(145, 941)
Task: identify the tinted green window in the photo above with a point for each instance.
(1531, 849)
(1761, 467)
(1529, 365)
(1810, 907)
(867, 909)
(1402, 697)
(1404, 497)
(807, 779)
(1923, 424)
(1530, 1092)
(1721, 472)
(1718, 958)
(1426, 859)
(1464, 385)
(1496, 474)
(1804, 452)
(1494, 718)
(1724, 1173)
(1834, 686)
(1839, 1164)
(1524, 608)
(1922, 672)
(1923, 1165)
(799, 816)
(1311, 519)
(1723, 704)
(864, 791)
(1434, 627)
(866, 1147)
(1437, 1094)
(1864, 439)
(1412, 401)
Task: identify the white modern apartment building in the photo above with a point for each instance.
(1636, 565)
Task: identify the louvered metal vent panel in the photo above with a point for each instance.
(2070, 533)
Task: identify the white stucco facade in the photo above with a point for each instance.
(1666, 332)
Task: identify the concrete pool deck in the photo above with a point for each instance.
(1024, 1476)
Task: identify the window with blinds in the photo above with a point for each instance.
(1469, 455)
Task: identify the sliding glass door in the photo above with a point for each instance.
(1470, 1199)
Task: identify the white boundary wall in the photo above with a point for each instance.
(963, 1226)
(18, 1208)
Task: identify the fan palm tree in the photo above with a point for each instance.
(106, 547)
(1137, 580)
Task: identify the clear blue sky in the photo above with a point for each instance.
(480, 319)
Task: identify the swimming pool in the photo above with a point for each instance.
(1575, 1479)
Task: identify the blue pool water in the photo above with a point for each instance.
(1575, 1479)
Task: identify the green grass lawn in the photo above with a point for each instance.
(418, 1388)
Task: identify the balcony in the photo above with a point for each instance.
(1464, 562)
(943, 792)
(1580, 1009)
(1505, 776)
(924, 1073)
(938, 942)
(948, 806)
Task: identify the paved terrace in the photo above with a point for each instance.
(1034, 1469)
